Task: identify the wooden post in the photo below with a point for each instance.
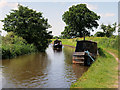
(84, 36)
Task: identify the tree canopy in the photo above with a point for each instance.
(79, 20)
(108, 29)
(99, 34)
(30, 25)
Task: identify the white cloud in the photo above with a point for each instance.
(3, 33)
(107, 14)
(89, 6)
(4, 3)
(93, 7)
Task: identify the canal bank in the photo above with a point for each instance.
(101, 74)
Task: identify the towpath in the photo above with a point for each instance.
(116, 85)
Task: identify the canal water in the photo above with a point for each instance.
(52, 69)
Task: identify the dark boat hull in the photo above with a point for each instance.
(57, 46)
(85, 53)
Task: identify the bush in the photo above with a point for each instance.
(13, 46)
(101, 52)
(109, 43)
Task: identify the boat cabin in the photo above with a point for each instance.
(57, 44)
(85, 52)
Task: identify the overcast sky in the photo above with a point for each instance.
(54, 11)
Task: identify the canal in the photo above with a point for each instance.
(52, 69)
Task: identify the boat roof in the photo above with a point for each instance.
(87, 41)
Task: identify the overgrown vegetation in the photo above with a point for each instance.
(110, 44)
(13, 46)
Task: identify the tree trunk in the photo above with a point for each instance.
(84, 36)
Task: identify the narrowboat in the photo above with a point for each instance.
(57, 45)
(85, 52)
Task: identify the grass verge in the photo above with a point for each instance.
(101, 74)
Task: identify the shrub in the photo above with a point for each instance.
(13, 46)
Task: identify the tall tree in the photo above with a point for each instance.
(80, 20)
(30, 25)
(108, 29)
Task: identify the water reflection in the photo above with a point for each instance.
(53, 69)
(25, 70)
(72, 71)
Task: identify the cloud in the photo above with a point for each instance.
(3, 33)
(107, 14)
(4, 3)
(90, 6)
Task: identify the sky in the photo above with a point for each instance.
(53, 11)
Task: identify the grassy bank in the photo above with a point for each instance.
(103, 72)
